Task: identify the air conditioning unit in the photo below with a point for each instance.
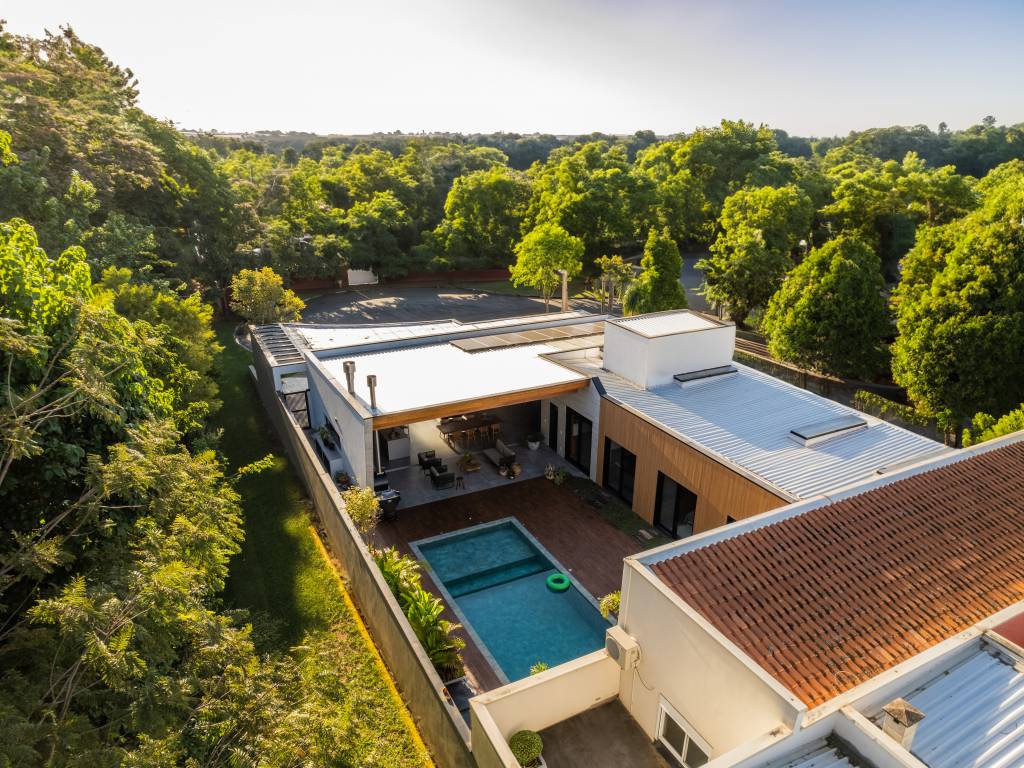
(622, 648)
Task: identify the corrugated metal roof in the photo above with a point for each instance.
(666, 323)
(821, 754)
(746, 419)
(973, 714)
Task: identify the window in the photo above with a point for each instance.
(675, 507)
(578, 431)
(729, 519)
(680, 739)
(619, 470)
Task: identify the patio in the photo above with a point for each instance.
(573, 531)
(602, 737)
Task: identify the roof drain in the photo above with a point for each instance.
(900, 720)
(350, 375)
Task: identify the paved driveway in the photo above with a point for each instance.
(405, 304)
(692, 280)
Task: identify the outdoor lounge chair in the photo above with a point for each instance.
(424, 456)
(441, 477)
(500, 454)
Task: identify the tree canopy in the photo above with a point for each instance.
(657, 287)
(830, 315)
(260, 297)
(542, 255)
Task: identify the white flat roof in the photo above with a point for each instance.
(666, 323)
(424, 376)
(325, 337)
(745, 418)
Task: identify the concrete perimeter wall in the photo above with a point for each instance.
(442, 727)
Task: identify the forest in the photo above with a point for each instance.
(889, 253)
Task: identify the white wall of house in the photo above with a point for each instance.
(326, 403)
(728, 702)
(587, 403)
(652, 361)
(539, 701)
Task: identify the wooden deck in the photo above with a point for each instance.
(573, 531)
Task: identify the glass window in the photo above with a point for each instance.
(676, 507)
(679, 739)
(619, 470)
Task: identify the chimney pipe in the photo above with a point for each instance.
(565, 290)
(900, 721)
(350, 375)
(371, 382)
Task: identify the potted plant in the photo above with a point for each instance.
(325, 436)
(527, 746)
(533, 440)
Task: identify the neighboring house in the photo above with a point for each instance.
(653, 408)
(881, 627)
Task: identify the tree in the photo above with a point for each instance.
(483, 218)
(259, 296)
(829, 315)
(373, 236)
(590, 191)
(657, 288)
(985, 427)
(542, 255)
(960, 307)
(759, 229)
(615, 276)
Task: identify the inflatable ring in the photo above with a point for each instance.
(558, 582)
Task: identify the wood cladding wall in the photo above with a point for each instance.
(721, 492)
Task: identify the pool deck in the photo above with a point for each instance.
(567, 526)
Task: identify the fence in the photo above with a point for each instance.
(439, 721)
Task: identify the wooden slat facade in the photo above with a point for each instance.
(721, 492)
(400, 418)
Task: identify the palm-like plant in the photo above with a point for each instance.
(435, 633)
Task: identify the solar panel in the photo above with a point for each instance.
(535, 336)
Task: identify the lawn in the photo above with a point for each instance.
(284, 578)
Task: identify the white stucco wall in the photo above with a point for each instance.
(356, 433)
(539, 701)
(652, 362)
(727, 701)
(587, 403)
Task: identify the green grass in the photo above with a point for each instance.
(614, 510)
(284, 578)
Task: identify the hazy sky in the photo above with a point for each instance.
(558, 66)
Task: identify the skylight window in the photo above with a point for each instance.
(819, 431)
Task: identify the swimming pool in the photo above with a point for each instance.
(494, 576)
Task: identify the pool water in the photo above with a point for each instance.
(495, 576)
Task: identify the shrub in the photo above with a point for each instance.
(526, 746)
(610, 604)
(363, 507)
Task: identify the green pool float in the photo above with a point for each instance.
(558, 582)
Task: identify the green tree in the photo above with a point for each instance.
(615, 276)
(373, 236)
(960, 307)
(541, 256)
(657, 288)
(985, 427)
(260, 297)
(759, 230)
(829, 315)
(483, 218)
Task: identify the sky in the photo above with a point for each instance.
(556, 66)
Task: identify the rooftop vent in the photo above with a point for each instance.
(899, 721)
(820, 431)
(703, 375)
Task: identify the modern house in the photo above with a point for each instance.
(880, 626)
(653, 408)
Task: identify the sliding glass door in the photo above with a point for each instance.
(619, 470)
(553, 427)
(578, 433)
(675, 507)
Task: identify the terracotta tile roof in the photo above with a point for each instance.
(830, 598)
